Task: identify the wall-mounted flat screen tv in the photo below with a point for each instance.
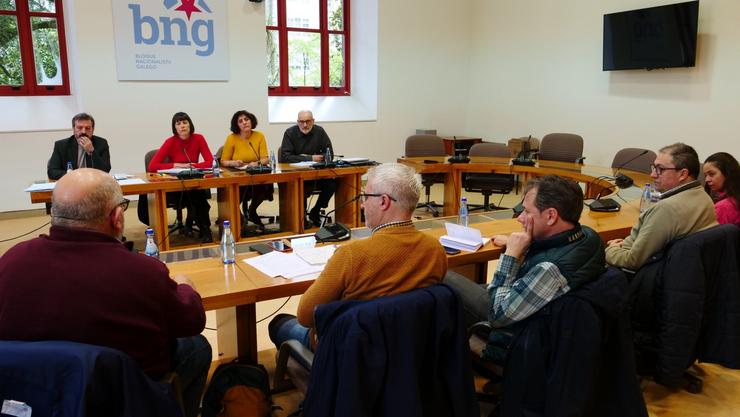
(656, 37)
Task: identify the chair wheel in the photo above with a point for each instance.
(435, 214)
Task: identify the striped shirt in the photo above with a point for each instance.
(513, 299)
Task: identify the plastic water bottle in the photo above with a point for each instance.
(151, 248)
(216, 168)
(228, 248)
(646, 198)
(273, 161)
(69, 167)
(463, 218)
(328, 156)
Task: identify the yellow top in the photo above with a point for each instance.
(237, 148)
(391, 261)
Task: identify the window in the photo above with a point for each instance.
(33, 57)
(307, 47)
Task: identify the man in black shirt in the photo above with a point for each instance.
(307, 142)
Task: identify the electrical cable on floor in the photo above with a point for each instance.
(26, 234)
(275, 312)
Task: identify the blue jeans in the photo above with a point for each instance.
(285, 327)
(191, 361)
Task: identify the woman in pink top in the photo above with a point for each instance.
(183, 150)
(722, 182)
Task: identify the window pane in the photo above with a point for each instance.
(303, 13)
(42, 6)
(7, 4)
(11, 68)
(304, 59)
(273, 58)
(46, 51)
(335, 14)
(336, 61)
(271, 13)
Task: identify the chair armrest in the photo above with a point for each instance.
(481, 328)
(282, 369)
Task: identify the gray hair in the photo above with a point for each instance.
(90, 210)
(398, 181)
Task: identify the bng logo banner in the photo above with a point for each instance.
(171, 39)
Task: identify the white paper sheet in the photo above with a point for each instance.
(316, 256)
(131, 181)
(45, 186)
(303, 164)
(288, 265)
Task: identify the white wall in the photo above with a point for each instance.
(536, 69)
(423, 52)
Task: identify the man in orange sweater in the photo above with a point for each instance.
(396, 258)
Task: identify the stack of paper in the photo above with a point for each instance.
(288, 265)
(45, 186)
(462, 238)
(303, 164)
(315, 256)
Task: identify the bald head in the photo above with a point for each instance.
(86, 198)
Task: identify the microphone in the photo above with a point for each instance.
(622, 180)
(523, 157)
(259, 169)
(337, 231)
(190, 173)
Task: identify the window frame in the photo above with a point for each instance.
(30, 85)
(284, 89)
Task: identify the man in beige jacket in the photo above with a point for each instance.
(683, 208)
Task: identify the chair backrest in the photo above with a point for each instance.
(219, 152)
(81, 379)
(405, 367)
(489, 149)
(424, 145)
(565, 147)
(634, 159)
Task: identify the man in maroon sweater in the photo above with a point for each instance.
(80, 283)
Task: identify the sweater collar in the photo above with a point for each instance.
(680, 188)
(402, 223)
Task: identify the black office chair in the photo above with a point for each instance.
(488, 184)
(174, 201)
(427, 145)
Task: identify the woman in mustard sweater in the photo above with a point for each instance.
(247, 147)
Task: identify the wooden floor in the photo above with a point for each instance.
(720, 397)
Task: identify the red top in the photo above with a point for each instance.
(86, 287)
(174, 151)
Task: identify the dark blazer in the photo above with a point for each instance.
(66, 150)
(70, 379)
(686, 305)
(574, 357)
(402, 355)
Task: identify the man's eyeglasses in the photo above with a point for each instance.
(365, 196)
(659, 169)
(123, 204)
(305, 122)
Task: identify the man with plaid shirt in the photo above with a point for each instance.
(553, 255)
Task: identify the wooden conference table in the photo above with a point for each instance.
(234, 289)
(290, 182)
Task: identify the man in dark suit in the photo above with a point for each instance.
(82, 149)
